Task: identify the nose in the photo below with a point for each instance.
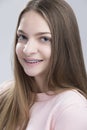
(30, 48)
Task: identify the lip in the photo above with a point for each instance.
(32, 61)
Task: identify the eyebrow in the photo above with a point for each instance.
(39, 33)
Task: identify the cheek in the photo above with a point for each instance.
(18, 50)
(47, 52)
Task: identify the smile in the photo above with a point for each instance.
(33, 61)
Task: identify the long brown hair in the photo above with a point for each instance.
(67, 69)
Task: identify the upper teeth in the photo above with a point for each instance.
(33, 61)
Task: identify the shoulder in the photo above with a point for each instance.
(72, 111)
(70, 101)
(71, 97)
(6, 87)
(6, 84)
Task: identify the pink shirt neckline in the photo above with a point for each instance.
(45, 96)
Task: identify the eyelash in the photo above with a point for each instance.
(21, 37)
(45, 39)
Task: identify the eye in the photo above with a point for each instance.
(21, 38)
(45, 39)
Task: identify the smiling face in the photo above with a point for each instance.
(33, 47)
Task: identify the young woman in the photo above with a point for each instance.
(49, 91)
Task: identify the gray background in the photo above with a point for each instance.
(9, 11)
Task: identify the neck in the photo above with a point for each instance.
(41, 83)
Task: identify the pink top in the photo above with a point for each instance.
(64, 111)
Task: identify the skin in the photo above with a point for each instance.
(33, 48)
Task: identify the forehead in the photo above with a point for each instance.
(33, 21)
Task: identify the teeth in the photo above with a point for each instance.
(33, 61)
